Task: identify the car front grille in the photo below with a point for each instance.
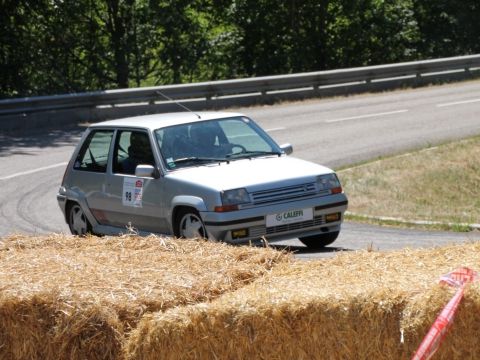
(259, 231)
(283, 194)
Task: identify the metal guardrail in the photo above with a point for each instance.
(205, 95)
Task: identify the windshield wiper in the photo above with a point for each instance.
(249, 153)
(198, 159)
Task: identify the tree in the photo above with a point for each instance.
(370, 32)
(59, 46)
(447, 27)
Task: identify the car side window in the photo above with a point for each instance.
(93, 155)
(132, 148)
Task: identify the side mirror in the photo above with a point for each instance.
(286, 148)
(145, 171)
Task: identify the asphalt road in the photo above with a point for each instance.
(334, 132)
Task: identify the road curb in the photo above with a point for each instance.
(412, 222)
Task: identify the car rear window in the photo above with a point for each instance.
(93, 155)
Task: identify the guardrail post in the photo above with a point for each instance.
(418, 79)
(209, 102)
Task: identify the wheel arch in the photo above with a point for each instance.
(86, 210)
(68, 209)
(184, 202)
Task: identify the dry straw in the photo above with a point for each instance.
(356, 306)
(150, 298)
(78, 298)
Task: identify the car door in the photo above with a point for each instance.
(90, 172)
(134, 201)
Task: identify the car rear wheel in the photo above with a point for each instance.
(77, 221)
(190, 225)
(319, 241)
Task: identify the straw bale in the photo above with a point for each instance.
(45, 326)
(354, 306)
(77, 298)
(461, 341)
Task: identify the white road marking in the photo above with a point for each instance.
(28, 172)
(275, 129)
(367, 116)
(459, 102)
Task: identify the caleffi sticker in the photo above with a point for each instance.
(132, 192)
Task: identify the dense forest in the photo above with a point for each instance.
(62, 46)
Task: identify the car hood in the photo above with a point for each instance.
(251, 173)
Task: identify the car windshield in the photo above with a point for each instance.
(219, 140)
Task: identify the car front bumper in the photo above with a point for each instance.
(250, 224)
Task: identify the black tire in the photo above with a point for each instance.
(77, 220)
(319, 241)
(189, 225)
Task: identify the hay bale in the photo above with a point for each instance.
(45, 326)
(461, 341)
(65, 297)
(355, 306)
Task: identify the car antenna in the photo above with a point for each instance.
(177, 103)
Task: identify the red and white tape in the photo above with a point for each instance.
(430, 344)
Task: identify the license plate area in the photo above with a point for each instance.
(289, 217)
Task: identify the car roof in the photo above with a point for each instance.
(156, 121)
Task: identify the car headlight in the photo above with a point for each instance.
(330, 183)
(231, 199)
(235, 197)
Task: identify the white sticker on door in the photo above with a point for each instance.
(132, 192)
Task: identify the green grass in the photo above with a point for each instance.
(408, 224)
(437, 184)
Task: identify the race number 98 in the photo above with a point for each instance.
(132, 192)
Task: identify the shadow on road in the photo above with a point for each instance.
(305, 250)
(23, 143)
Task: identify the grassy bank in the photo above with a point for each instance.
(438, 184)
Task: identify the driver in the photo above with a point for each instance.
(204, 139)
(139, 153)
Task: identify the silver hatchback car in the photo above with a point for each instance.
(211, 175)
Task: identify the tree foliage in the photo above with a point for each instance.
(62, 46)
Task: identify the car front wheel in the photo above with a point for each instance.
(190, 225)
(319, 241)
(77, 221)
